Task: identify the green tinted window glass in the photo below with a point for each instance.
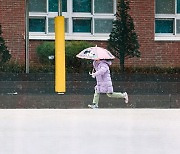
(178, 6)
(82, 25)
(51, 25)
(103, 25)
(53, 5)
(164, 26)
(37, 5)
(82, 6)
(66, 25)
(165, 6)
(106, 6)
(37, 25)
(178, 26)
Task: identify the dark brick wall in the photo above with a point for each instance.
(12, 19)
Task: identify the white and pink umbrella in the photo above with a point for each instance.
(95, 53)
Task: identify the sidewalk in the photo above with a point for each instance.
(37, 91)
(84, 131)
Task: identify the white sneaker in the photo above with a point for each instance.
(93, 106)
(126, 97)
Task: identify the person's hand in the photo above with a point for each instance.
(93, 75)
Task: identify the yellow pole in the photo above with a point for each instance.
(59, 55)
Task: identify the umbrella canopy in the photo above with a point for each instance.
(95, 53)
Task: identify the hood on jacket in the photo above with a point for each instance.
(109, 62)
(96, 63)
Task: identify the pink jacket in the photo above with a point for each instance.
(103, 77)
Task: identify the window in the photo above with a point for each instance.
(51, 25)
(84, 19)
(53, 6)
(103, 25)
(164, 26)
(82, 25)
(178, 6)
(165, 6)
(82, 6)
(102, 6)
(178, 26)
(37, 6)
(37, 25)
(167, 20)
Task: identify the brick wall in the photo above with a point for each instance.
(153, 53)
(12, 19)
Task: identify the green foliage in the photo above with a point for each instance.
(72, 48)
(123, 41)
(74, 64)
(12, 67)
(4, 53)
(45, 50)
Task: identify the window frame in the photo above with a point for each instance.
(69, 15)
(168, 36)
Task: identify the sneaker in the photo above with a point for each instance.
(125, 97)
(93, 106)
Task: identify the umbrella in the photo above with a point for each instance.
(95, 53)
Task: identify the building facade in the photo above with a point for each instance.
(157, 24)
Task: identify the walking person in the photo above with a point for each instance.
(104, 82)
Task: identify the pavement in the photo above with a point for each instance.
(37, 91)
(85, 131)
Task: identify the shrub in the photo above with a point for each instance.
(4, 53)
(12, 67)
(73, 63)
(72, 48)
(45, 50)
